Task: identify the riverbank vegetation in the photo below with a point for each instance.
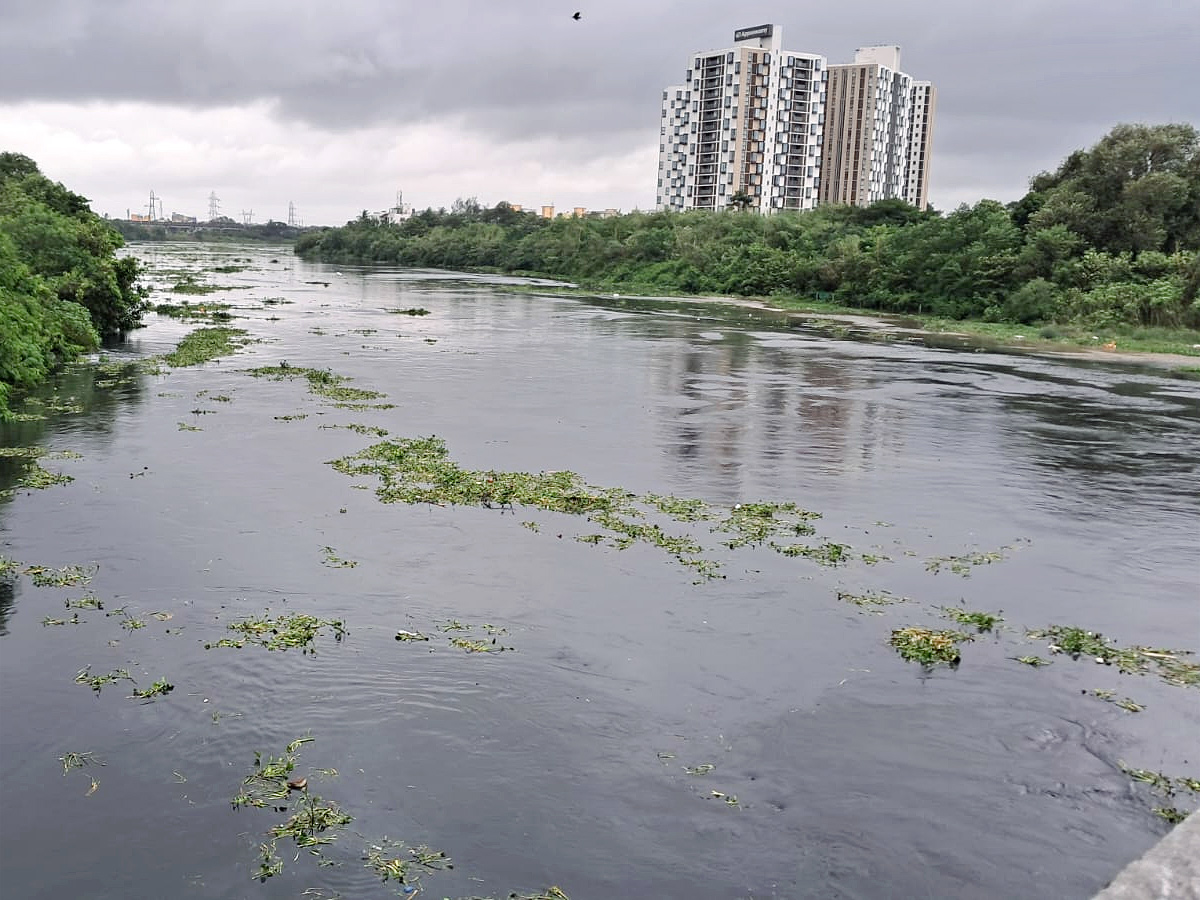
(62, 286)
(1106, 244)
(223, 230)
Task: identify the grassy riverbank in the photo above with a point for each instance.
(1103, 251)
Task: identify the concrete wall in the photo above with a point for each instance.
(1170, 870)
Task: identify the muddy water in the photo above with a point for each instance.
(563, 761)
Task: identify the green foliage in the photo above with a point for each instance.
(61, 285)
(1109, 240)
(928, 646)
(204, 345)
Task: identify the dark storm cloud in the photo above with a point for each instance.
(1018, 79)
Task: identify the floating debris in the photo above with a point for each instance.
(67, 576)
(1172, 666)
(411, 311)
(982, 621)
(826, 554)
(313, 821)
(195, 312)
(927, 646)
(281, 633)
(323, 383)
(206, 344)
(392, 861)
(1165, 786)
(964, 563)
(702, 769)
(96, 682)
(35, 478)
(333, 561)
(357, 428)
(50, 620)
(872, 601)
(72, 761)
(410, 636)
(160, 688)
(1035, 661)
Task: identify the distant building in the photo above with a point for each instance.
(869, 129)
(920, 146)
(779, 129)
(180, 219)
(548, 212)
(746, 121)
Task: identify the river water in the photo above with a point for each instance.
(564, 761)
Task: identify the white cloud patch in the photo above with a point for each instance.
(116, 153)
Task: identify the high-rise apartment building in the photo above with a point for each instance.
(869, 107)
(777, 129)
(920, 146)
(746, 121)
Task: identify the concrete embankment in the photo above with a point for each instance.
(1170, 870)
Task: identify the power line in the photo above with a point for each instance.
(214, 206)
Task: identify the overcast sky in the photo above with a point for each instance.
(337, 105)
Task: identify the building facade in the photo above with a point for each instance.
(920, 147)
(771, 129)
(869, 104)
(745, 122)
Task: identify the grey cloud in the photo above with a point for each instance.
(1014, 78)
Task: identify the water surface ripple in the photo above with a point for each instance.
(563, 761)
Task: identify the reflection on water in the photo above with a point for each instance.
(565, 760)
(8, 596)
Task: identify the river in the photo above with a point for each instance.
(650, 734)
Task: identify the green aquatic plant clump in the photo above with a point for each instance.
(296, 630)
(98, 682)
(964, 563)
(67, 576)
(1167, 787)
(393, 861)
(419, 470)
(928, 646)
(323, 383)
(1172, 666)
(871, 601)
(160, 688)
(268, 782)
(312, 822)
(755, 523)
(982, 621)
(206, 344)
(195, 312)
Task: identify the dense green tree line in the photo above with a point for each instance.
(1110, 238)
(225, 230)
(62, 288)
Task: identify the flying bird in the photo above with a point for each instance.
(577, 16)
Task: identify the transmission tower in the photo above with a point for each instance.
(291, 214)
(214, 206)
(247, 217)
(152, 206)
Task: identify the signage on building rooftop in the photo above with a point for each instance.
(758, 31)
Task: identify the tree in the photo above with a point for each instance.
(1137, 189)
(741, 201)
